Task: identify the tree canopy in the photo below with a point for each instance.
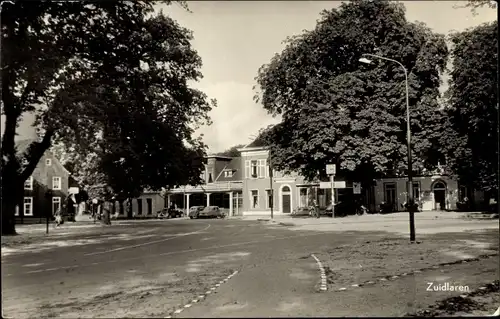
(232, 151)
(337, 110)
(110, 81)
(471, 135)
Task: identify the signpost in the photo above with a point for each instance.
(331, 169)
(356, 188)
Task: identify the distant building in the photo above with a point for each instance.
(223, 187)
(46, 190)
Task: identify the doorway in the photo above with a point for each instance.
(286, 200)
(390, 197)
(439, 190)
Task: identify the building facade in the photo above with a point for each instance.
(244, 185)
(433, 191)
(223, 187)
(46, 190)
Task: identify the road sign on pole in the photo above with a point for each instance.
(356, 188)
(331, 169)
(333, 194)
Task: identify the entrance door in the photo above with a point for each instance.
(439, 190)
(286, 200)
(237, 203)
(390, 195)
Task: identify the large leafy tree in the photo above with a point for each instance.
(110, 81)
(471, 135)
(336, 110)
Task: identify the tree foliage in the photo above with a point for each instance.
(110, 81)
(471, 135)
(337, 110)
(475, 4)
(232, 151)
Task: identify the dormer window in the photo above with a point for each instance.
(228, 173)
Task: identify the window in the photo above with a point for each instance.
(56, 182)
(390, 194)
(416, 191)
(302, 197)
(56, 204)
(149, 203)
(228, 174)
(269, 201)
(139, 206)
(28, 184)
(28, 206)
(262, 168)
(48, 162)
(253, 169)
(254, 198)
(210, 179)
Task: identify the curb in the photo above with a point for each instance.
(202, 296)
(323, 286)
(497, 313)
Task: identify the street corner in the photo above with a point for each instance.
(484, 300)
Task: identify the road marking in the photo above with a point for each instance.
(200, 297)
(147, 243)
(182, 252)
(323, 286)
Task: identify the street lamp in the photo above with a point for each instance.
(410, 199)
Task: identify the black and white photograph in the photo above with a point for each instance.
(249, 159)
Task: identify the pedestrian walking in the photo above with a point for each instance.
(316, 208)
(58, 217)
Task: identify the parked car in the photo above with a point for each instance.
(211, 211)
(194, 211)
(169, 213)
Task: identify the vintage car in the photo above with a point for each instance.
(194, 211)
(169, 213)
(211, 211)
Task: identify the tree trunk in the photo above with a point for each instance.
(8, 217)
(10, 198)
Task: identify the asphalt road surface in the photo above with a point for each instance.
(184, 268)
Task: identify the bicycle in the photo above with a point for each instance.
(314, 211)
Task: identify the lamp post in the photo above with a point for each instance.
(410, 199)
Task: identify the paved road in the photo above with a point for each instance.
(208, 268)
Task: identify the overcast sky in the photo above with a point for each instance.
(235, 38)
